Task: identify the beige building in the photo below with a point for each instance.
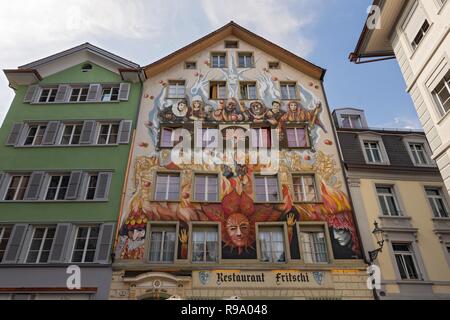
(211, 230)
(394, 181)
(416, 33)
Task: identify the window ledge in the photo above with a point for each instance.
(444, 117)
(394, 217)
(73, 103)
(414, 282)
(441, 219)
(414, 50)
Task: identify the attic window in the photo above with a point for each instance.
(86, 67)
(231, 44)
(274, 65)
(192, 65)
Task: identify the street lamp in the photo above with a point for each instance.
(378, 234)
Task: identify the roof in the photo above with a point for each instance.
(83, 47)
(375, 42)
(233, 28)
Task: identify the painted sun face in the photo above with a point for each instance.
(238, 229)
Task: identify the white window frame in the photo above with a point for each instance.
(248, 60)
(259, 141)
(109, 134)
(39, 127)
(446, 80)
(218, 84)
(88, 181)
(244, 87)
(2, 237)
(384, 196)
(19, 187)
(180, 86)
(418, 140)
(168, 174)
(164, 229)
(206, 228)
(288, 85)
(51, 91)
(72, 134)
(86, 89)
(432, 199)
(303, 194)
(363, 138)
(221, 55)
(266, 186)
(414, 44)
(311, 255)
(297, 138)
(267, 228)
(44, 238)
(87, 239)
(58, 188)
(351, 118)
(412, 254)
(206, 194)
(108, 97)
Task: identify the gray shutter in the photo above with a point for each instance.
(104, 243)
(93, 93)
(50, 133)
(103, 184)
(59, 243)
(61, 94)
(124, 91)
(14, 135)
(2, 175)
(34, 186)
(125, 131)
(88, 132)
(74, 185)
(14, 244)
(31, 93)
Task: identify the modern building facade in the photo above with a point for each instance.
(395, 182)
(215, 228)
(64, 148)
(416, 33)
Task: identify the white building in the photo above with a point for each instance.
(416, 33)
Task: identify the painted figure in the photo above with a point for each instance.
(232, 111)
(257, 112)
(275, 114)
(197, 112)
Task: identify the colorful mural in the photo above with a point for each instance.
(237, 211)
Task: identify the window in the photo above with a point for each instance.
(35, 135)
(71, 134)
(418, 153)
(314, 246)
(79, 94)
(177, 89)
(5, 233)
(206, 187)
(442, 94)
(248, 91)
(190, 65)
(218, 60)
(245, 60)
(297, 137)
(406, 261)
(266, 189)
(351, 121)
(421, 34)
(162, 244)
(231, 44)
(271, 242)
(261, 137)
(305, 188)
(288, 91)
(274, 65)
(441, 2)
(110, 94)
(205, 245)
(41, 244)
(91, 187)
(48, 95)
(208, 138)
(167, 187)
(388, 201)
(218, 90)
(437, 202)
(373, 152)
(86, 67)
(108, 133)
(169, 137)
(17, 187)
(85, 244)
(57, 187)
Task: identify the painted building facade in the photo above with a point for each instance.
(416, 33)
(213, 229)
(64, 147)
(395, 182)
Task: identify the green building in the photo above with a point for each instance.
(64, 148)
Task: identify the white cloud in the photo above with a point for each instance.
(402, 123)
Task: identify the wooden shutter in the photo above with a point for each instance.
(59, 243)
(14, 135)
(103, 184)
(125, 131)
(124, 91)
(34, 186)
(93, 93)
(50, 133)
(74, 185)
(88, 132)
(15, 243)
(31, 93)
(104, 244)
(61, 94)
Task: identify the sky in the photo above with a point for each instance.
(321, 31)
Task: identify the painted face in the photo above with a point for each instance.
(276, 107)
(343, 236)
(137, 234)
(231, 106)
(238, 229)
(257, 108)
(293, 106)
(182, 106)
(196, 105)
